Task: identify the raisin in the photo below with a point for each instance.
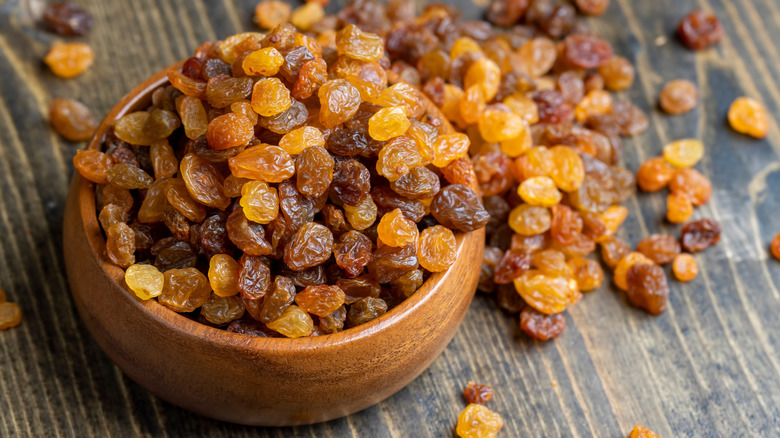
(539, 191)
(592, 7)
(545, 293)
(320, 300)
(203, 182)
(223, 275)
(539, 55)
(278, 299)
(700, 235)
(625, 263)
(679, 208)
(254, 277)
(72, 119)
(395, 229)
(654, 174)
(699, 30)
(691, 184)
(647, 287)
(553, 107)
(389, 262)
(458, 207)
(678, 96)
(748, 116)
(314, 166)
(478, 421)
(184, 290)
(177, 255)
(364, 310)
(505, 12)
(294, 323)
(311, 245)
(587, 272)
(145, 281)
(660, 248)
(93, 165)
(477, 393)
(613, 249)
(264, 162)
(339, 101)
(271, 13)
(540, 326)
(529, 220)
(259, 201)
(353, 252)
(774, 247)
(511, 266)
(436, 251)
(586, 51)
(68, 19)
(68, 60)
(640, 431)
(10, 315)
(685, 267)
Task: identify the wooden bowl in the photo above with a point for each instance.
(246, 379)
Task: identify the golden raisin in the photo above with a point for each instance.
(618, 73)
(568, 170)
(356, 44)
(93, 165)
(540, 191)
(295, 141)
(388, 123)
(145, 280)
(529, 220)
(395, 229)
(449, 147)
(270, 97)
(223, 275)
(692, 184)
(229, 130)
(265, 62)
(587, 272)
(67, 60)
(271, 13)
(545, 293)
(748, 116)
(654, 174)
(436, 251)
(259, 201)
(499, 126)
(304, 17)
(685, 267)
(678, 208)
(684, 153)
(294, 323)
(775, 247)
(477, 421)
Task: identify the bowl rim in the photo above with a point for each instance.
(88, 217)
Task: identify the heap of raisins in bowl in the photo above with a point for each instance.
(279, 186)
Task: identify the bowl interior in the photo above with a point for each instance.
(139, 99)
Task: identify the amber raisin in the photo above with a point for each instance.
(660, 248)
(699, 30)
(68, 19)
(459, 207)
(477, 393)
(477, 421)
(700, 235)
(654, 174)
(678, 96)
(647, 287)
(72, 119)
(540, 326)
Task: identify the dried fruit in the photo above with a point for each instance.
(684, 153)
(640, 431)
(436, 251)
(388, 123)
(184, 290)
(699, 30)
(93, 165)
(477, 421)
(222, 310)
(678, 208)
(700, 235)
(270, 97)
(395, 229)
(10, 315)
(477, 393)
(775, 247)
(654, 174)
(294, 323)
(458, 207)
(68, 19)
(67, 60)
(223, 275)
(145, 281)
(685, 267)
(72, 119)
(622, 267)
(586, 51)
(748, 116)
(647, 287)
(660, 248)
(691, 184)
(539, 191)
(271, 13)
(678, 96)
(356, 44)
(321, 300)
(540, 326)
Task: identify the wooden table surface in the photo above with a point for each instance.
(709, 366)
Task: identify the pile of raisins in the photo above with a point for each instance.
(283, 185)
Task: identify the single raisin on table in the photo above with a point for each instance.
(700, 235)
(477, 393)
(699, 30)
(678, 96)
(10, 315)
(72, 119)
(68, 19)
(685, 267)
(640, 431)
(748, 116)
(67, 60)
(477, 421)
(775, 247)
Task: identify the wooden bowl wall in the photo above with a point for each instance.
(246, 379)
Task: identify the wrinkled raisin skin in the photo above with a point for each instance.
(700, 235)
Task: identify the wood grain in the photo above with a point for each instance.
(709, 366)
